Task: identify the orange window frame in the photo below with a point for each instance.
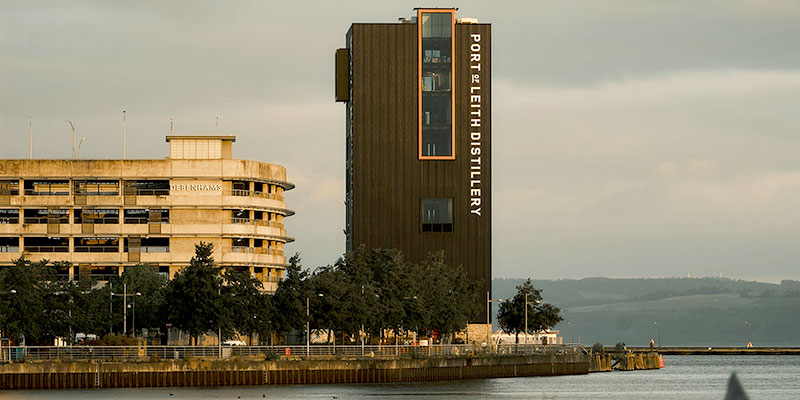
(452, 13)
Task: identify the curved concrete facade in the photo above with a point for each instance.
(104, 215)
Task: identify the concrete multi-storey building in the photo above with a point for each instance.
(104, 215)
(418, 136)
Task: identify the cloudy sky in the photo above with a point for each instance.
(631, 138)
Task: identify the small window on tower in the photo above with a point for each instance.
(437, 215)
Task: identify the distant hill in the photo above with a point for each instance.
(690, 311)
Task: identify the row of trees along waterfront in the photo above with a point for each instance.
(367, 290)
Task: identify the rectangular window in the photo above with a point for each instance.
(240, 216)
(437, 215)
(436, 97)
(240, 188)
(9, 245)
(142, 216)
(9, 188)
(9, 216)
(47, 187)
(46, 244)
(147, 244)
(97, 216)
(147, 188)
(44, 216)
(96, 188)
(97, 245)
(240, 245)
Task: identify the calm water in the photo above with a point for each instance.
(685, 377)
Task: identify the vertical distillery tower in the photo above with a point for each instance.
(418, 120)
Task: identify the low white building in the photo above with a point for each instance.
(544, 337)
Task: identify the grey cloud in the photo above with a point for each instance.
(630, 138)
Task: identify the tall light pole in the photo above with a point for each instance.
(489, 302)
(659, 333)
(748, 333)
(526, 315)
(73, 138)
(308, 325)
(83, 139)
(12, 291)
(123, 134)
(132, 306)
(124, 308)
(30, 137)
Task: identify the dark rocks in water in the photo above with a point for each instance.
(735, 389)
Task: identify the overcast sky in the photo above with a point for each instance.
(631, 138)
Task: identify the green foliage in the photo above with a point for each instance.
(598, 348)
(289, 299)
(541, 316)
(620, 347)
(146, 280)
(245, 308)
(373, 289)
(445, 294)
(193, 296)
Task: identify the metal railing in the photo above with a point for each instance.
(139, 353)
(53, 192)
(47, 249)
(152, 192)
(9, 249)
(267, 195)
(97, 249)
(45, 220)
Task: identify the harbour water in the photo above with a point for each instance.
(685, 377)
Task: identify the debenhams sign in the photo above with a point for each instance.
(475, 196)
(195, 187)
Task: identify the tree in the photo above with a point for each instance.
(246, 309)
(445, 298)
(23, 311)
(192, 297)
(290, 298)
(144, 279)
(511, 314)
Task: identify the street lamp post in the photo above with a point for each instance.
(132, 306)
(83, 139)
(73, 138)
(489, 302)
(659, 333)
(308, 325)
(749, 344)
(125, 307)
(526, 315)
(12, 291)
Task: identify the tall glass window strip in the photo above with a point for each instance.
(435, 29)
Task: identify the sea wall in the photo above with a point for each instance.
(600, 363)
(100, 374)
(633, 361)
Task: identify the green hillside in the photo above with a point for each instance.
(690, 311)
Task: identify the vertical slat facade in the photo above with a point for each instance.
(389, 181)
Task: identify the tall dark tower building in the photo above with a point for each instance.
(418, 101)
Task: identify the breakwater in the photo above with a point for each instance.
(738, 351)
(109, 374)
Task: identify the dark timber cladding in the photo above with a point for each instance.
(387, 180)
